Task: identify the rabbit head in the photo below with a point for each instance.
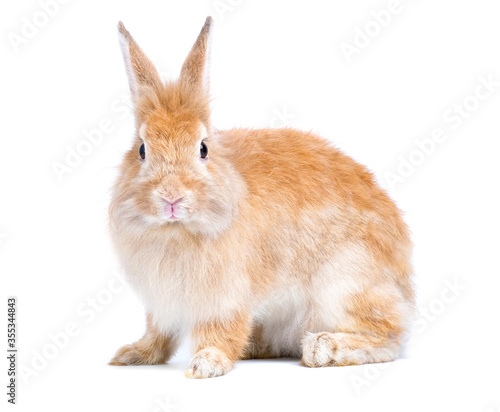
(175, 173)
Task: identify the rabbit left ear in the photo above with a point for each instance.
(142, 75)
(195, 70)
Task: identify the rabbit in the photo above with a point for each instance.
(252, 243)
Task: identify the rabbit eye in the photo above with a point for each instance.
(142, 151)
(203, 150)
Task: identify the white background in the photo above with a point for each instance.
(275, 63)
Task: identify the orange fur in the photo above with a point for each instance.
(154, 348)
(229, 336)
(285, 245)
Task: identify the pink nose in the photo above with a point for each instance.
(173, 202)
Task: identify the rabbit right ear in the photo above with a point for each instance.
(194, 72)
(142, 75)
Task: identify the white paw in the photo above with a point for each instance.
(318, 349)
(208, 363)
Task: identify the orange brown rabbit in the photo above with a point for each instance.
(253, 243)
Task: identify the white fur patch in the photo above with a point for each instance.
(336, 281)
(203, 132)
(142, 131)
(282, 316)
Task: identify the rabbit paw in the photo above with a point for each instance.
(131, 355)
(208, 363)
(318, 349)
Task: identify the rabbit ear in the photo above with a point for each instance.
(194, 72)
(142, 74)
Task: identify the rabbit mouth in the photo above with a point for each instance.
(172, 210)
(173, 215)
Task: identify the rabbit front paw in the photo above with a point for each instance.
(209, 363)
(134, 355)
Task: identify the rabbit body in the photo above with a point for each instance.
(274, 244)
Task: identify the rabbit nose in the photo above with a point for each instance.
(172, 202)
